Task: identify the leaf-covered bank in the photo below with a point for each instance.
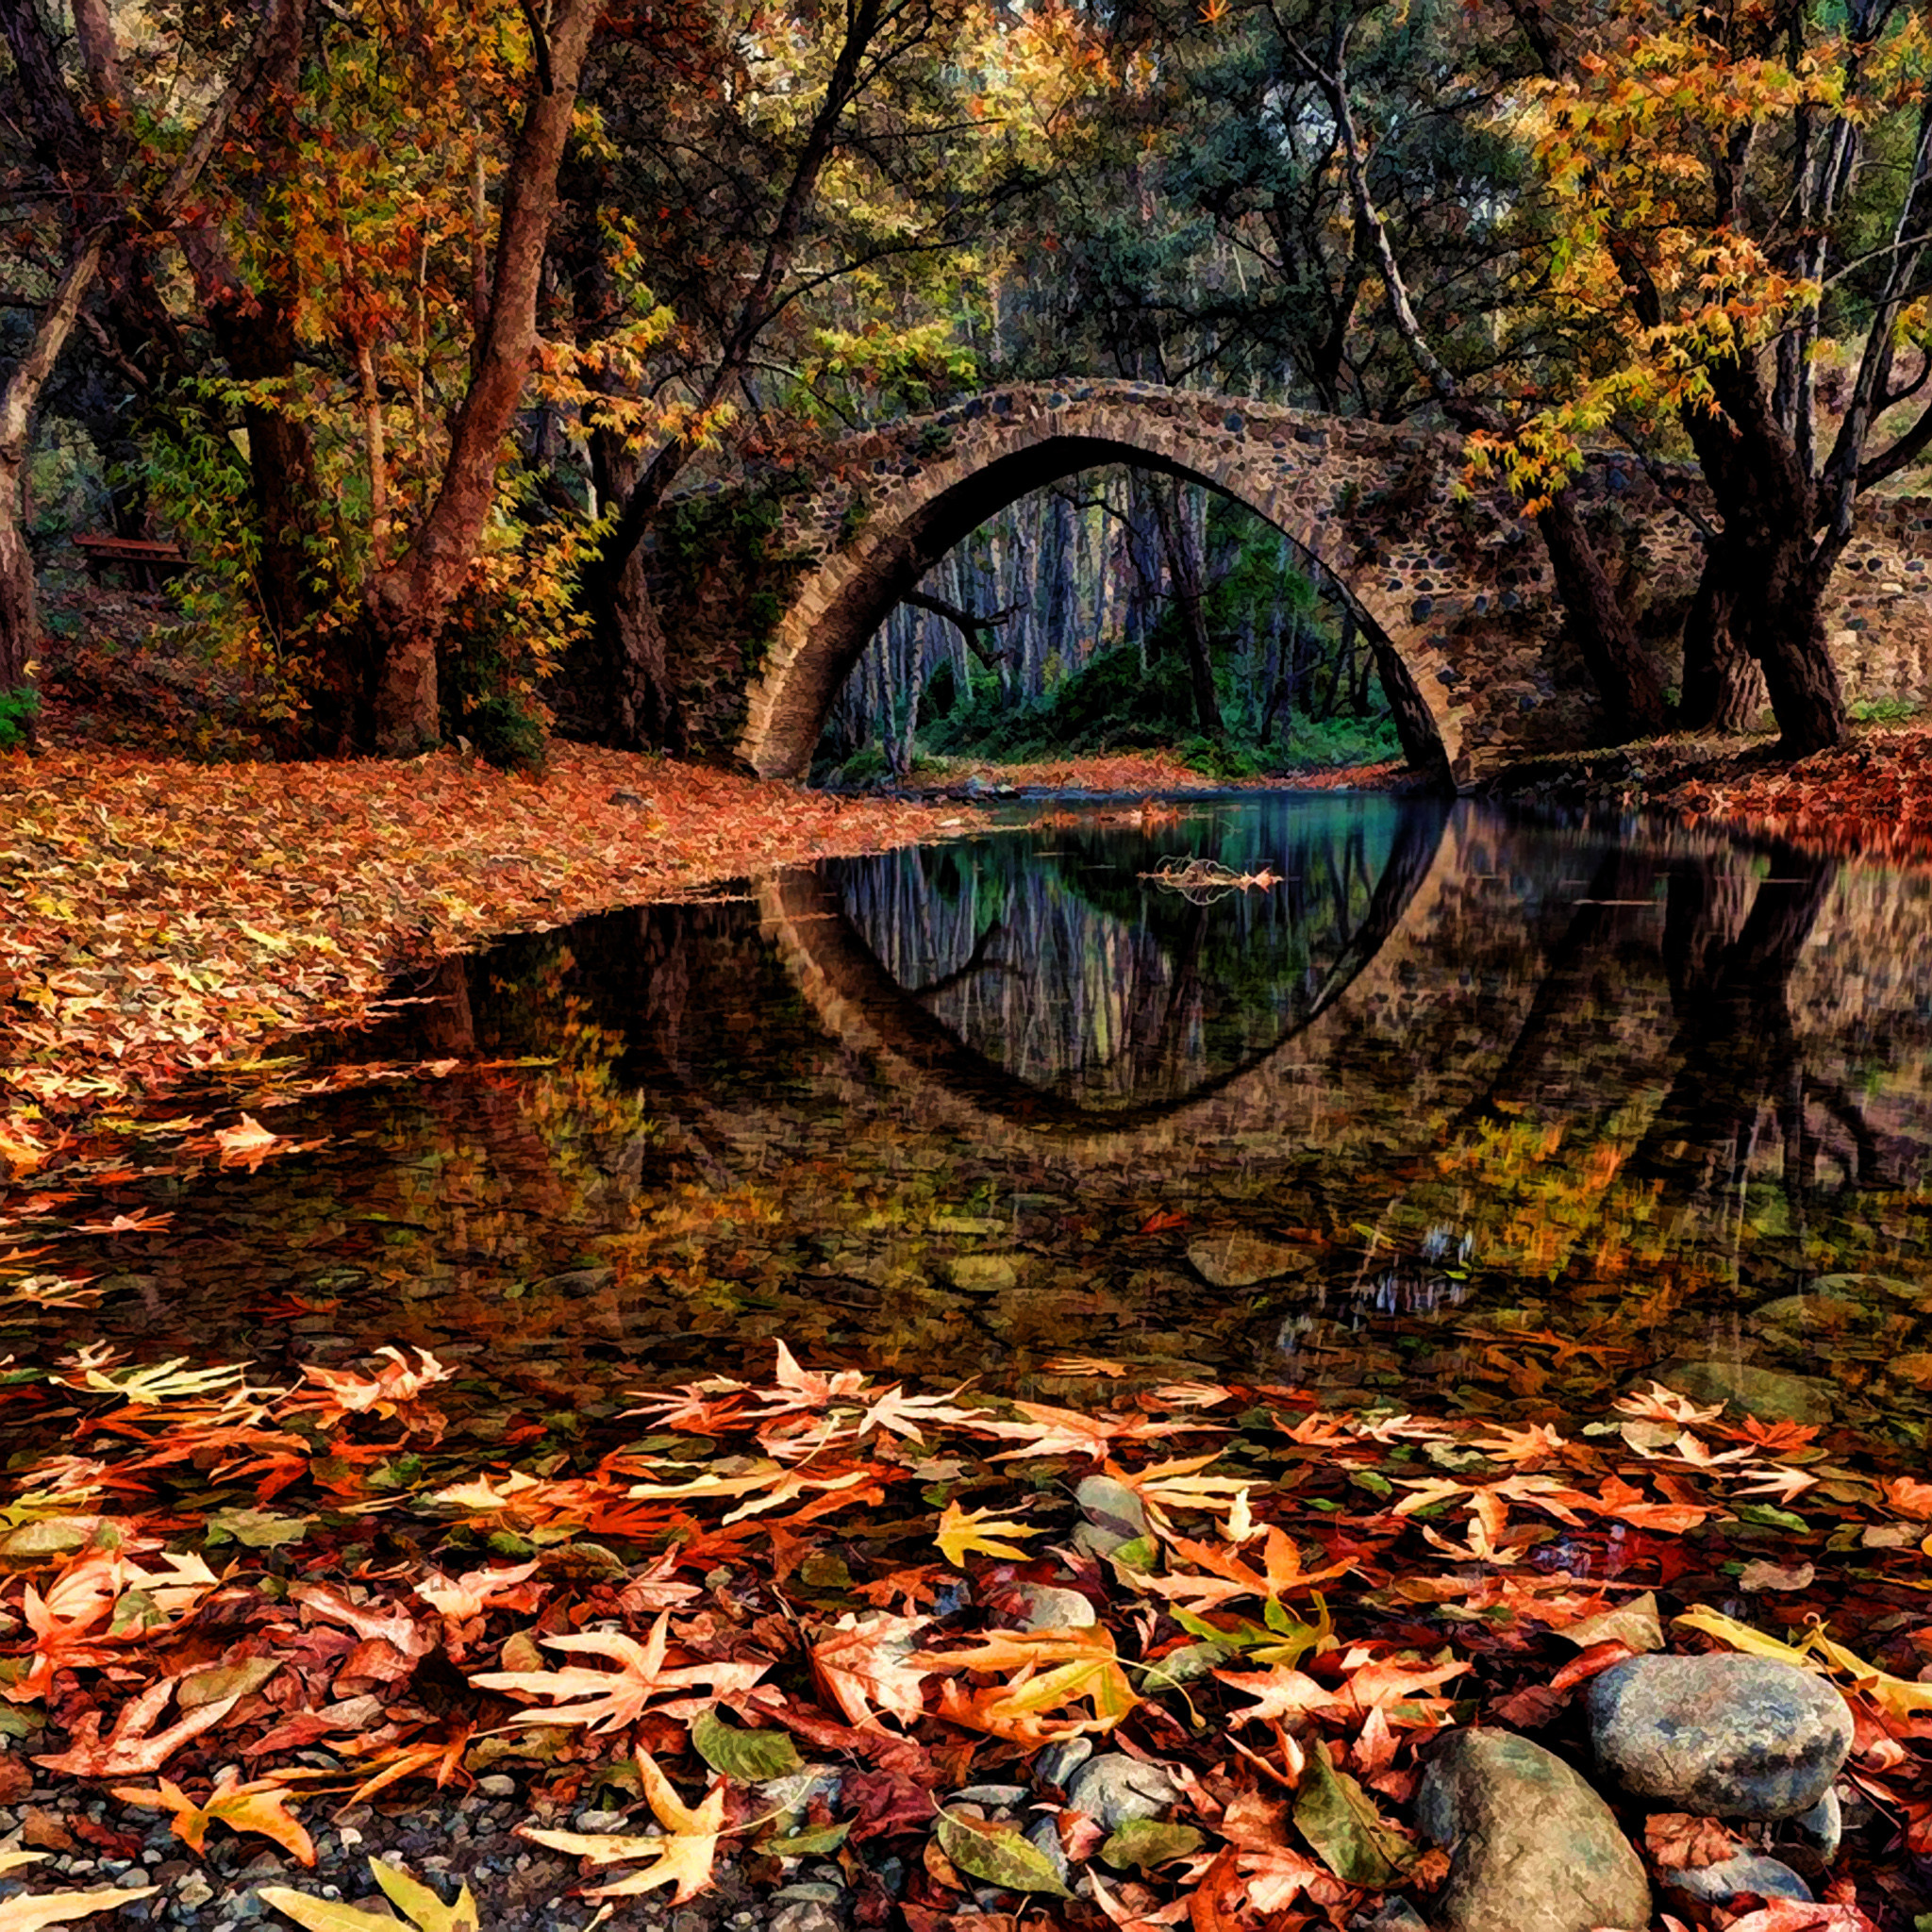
(164, 916)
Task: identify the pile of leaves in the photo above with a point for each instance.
(164, 916)
(360, 1594)
(1869, 798)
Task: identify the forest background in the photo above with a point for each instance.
(405, 322)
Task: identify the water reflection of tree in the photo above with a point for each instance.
(1740, 1062)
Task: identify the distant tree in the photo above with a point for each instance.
(748, 232)
(83, 182)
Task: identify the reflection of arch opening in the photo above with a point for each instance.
(855, 997)
(838, 606)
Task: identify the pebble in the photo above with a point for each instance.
(1113, 1788)
(1749, 1872)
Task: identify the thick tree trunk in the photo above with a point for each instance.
(1790, 643)
(648, 715)
(1620, 663)
(1776, 556)
(1722, 688)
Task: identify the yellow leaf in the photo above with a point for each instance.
(1053, 1670)
(1743, 1636)
(962, 1531)
(682, 1857)
(259, 1807)
(31, 1912)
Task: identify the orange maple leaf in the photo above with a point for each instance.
(1053, 1670)
(1050, 1431)
(606, 1699)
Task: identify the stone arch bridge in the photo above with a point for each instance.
(770, 588)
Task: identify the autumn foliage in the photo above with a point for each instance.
(165, 917)
(824, 1569)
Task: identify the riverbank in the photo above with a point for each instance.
(1869, 798)
(167, 917)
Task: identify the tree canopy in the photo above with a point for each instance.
(413, 320)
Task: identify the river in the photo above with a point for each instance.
(1496, 1115)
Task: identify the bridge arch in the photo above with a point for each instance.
(1364, 502)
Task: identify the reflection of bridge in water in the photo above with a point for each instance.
(1656, 998)
(864, 1005)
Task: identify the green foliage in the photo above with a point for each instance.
(18, 709)
(866, 766)
(1883, 710)
(1323, 744)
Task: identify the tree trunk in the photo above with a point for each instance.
(1790, 643)
(1620, 664)
(647, 714)
(20, 629)
(404, 605)
(1776, 555)
(1184, 578)
(1722, 689)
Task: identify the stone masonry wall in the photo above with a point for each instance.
(774, 586)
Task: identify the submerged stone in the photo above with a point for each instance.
(1771, 1394)
(1241, 1260)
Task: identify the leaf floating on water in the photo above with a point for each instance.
(1204, 880)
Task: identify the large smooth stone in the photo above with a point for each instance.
(1731, 1737)
(1770, 1394)
(1532, 1848)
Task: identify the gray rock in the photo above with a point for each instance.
(1115, 1515)
(1392, 1915)
(1748, 1872)
(1043, 1834)
(1241, 1260)
(1052, 1608)
(995, 1797)
(1114, 1787)
(599, 1821)
(793, 1792)
(1770, 1394)
(1532, 1847)
(1731, 1737)
(1058, 1762)
(1822, 1826)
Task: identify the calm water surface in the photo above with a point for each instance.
(1471, 1112)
